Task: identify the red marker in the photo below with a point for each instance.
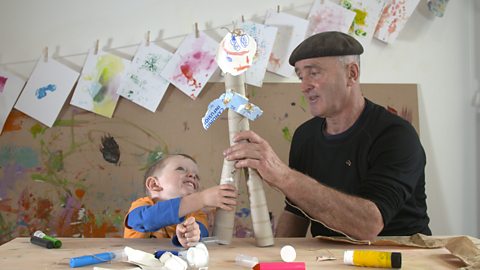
(280, 266)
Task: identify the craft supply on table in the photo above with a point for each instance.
(280, 266)
(288, 253)
(246, 260)
(56, 243)
(41, 242)
(373, 258)
(97, 258)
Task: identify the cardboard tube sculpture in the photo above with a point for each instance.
(235, 54)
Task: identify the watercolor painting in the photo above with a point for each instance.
(291, 31)
(193, 64)
(327, 16)
(10, 88)
(394, 17)
(143, 83)
(96, 90)
(46, 91)
(366, 18)
(264, 35)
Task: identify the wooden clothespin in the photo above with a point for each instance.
(148, 39)
(95, 52)
(278, 8)
(45, 54)
(197, 34)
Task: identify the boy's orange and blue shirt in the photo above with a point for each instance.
(147, 219)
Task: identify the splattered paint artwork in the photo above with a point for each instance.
(192, 65)
(265, 37)
(46, 91)
(58, 180)
(96, 90)
(10, 88)
(291, 31)
(394, 16)
(366, 18)
(327, 16)
(142, 83)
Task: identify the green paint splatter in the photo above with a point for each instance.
(37, 129)
(55, 161)
(303, 103)
(251, 90)
(286, 134)
(50, 179)
(153, 156)
(346, 4)
(151, 63)
(68, 122)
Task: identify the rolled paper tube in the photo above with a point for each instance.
(41, 242)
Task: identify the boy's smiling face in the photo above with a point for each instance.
(177, 178)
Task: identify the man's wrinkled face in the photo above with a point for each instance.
(323, 83)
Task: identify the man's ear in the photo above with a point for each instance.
(353, 73)
(153, 184)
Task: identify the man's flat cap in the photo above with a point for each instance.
(326, 44)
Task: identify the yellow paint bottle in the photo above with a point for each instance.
(372, 258)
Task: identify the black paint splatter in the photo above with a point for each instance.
(110, 149)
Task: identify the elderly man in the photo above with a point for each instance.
(354, 168)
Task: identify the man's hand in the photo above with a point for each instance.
(252, 151)
(221, 196)
(188, 232)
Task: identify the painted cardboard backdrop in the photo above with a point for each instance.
(78, 177)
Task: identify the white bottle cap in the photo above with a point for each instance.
(348, 257)
(288, 253)
(39, 234)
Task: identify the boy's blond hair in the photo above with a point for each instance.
(160, 163)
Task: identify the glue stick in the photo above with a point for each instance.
(118, 255)
(372, 258)
(41, 242)
(56, 243)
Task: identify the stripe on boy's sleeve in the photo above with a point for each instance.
(203, 230)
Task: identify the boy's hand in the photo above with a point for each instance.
(188, 232)
(222, 196)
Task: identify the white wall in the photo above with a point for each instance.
(438, 54)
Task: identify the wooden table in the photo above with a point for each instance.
(21, 254)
